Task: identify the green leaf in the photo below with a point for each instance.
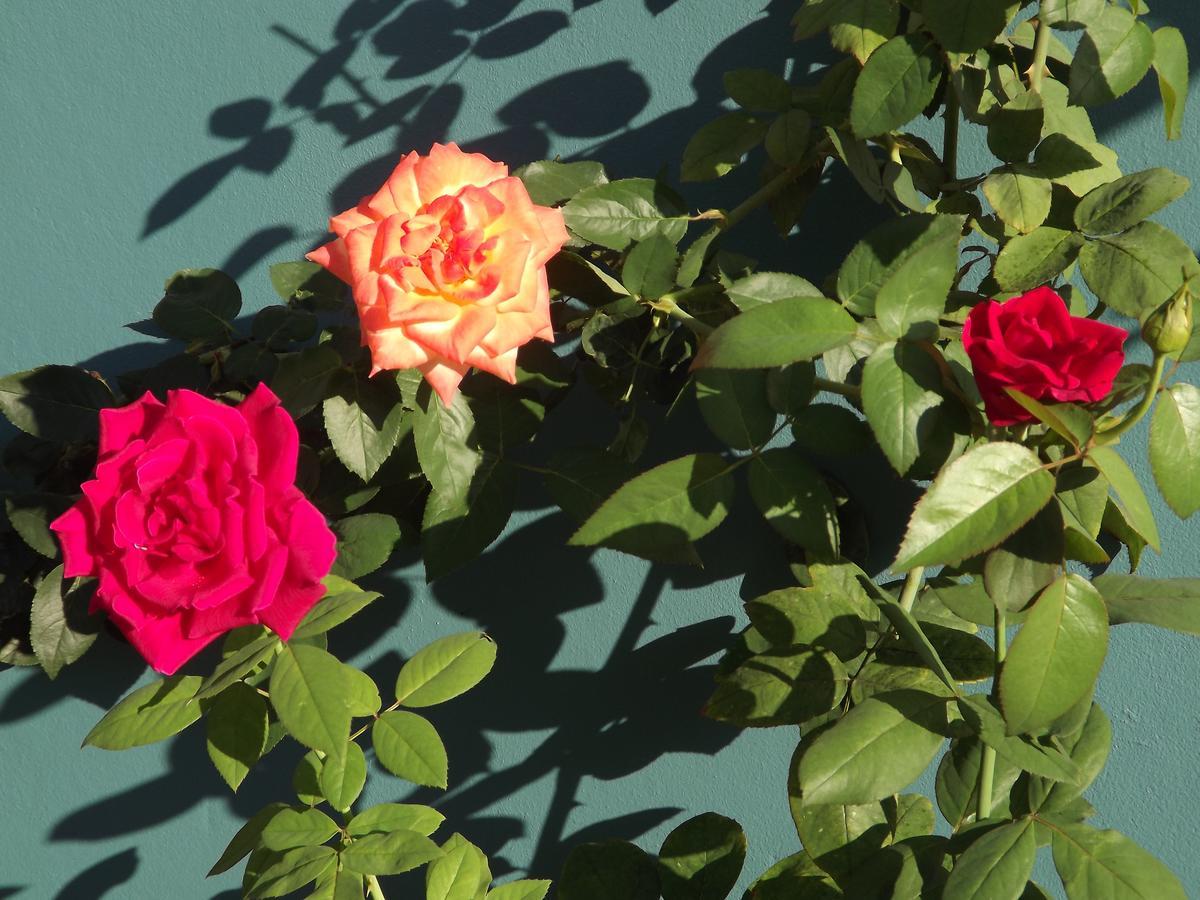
(605, 871)
(580, 480)
(1015, 128)
(275, 327)
(342, 601)
(1022, 201)
(456, 529)
(788, 137)
(30, 516)
(364, 423)
(824, 619)
(237, 723)
(778, 687)
(308, 690)
(343, 777)
(1095, 863)
(791, 388)
(1070, 421)
(957, 782)
(240, 663)
(408, 746)
(1130, 497)
(55, 403)
(768, 287)
(303, 279)
(302, 380)
(61, 629)
(162, 708)
(198, 305)
(718, 147)
(445, 441)
(616, 213)
(859, 27)
(389, 854)
(794, 498)
(446, 668)
(1175, 447)
(663, 509)
(758, 89)
(248, 837)
(1116, 51)
(696, 257)
(1056, 656)
(702, 858)
(878, 748)
(298, 828)
(1068, 13)
(734, 405)
(306, 779)
(885, 250)
(1171, 66)
(1121, 204)
(461, 873)
(964, 26)
(1024, 753)
(649, 270)
(291, 871)
(913, 293)
(525, 889)
(975, 503)
(1027, 562)
(776, 334)
(338, 884)
(839, 839)
(797, 876)
(388, 817)
(550, 182)
(901, 388)
(1172, 603)
(364, 543)
(996, 865)
(895, 85)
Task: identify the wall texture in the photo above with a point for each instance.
(144, 137)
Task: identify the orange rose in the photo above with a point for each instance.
(447, 262)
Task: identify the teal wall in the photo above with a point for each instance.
(142, 137)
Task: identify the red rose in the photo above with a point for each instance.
(194, 524)
(1033, 344)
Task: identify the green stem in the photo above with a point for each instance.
(849, 391)
(1156, 375)
(950, 145)
(667, 304)
(1041, 49)
(765, 194)
(912, 585)
(374, 891)
(987, 764)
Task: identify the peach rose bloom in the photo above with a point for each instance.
(447, 262)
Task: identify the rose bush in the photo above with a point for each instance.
(194, 524)
(1033, 344)
(447, 262)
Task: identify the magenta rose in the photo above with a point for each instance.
(194, 524)
(1033, 344)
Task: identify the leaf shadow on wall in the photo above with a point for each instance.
(643, 700)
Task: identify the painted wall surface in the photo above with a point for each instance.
(140, 137)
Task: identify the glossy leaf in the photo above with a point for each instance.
(389, 854)
(407, 745)
(880, 747)
(343, 777)
(1171, 65)
(1114, 54)
(1094, 863)
(895, 85)
(61, 629)
(1175, 448)
(550, 182)
(734, 405)
(901, 388)
(785, 686)
(777, 334)
(460, 873)
(308, 691)
(702, 858)
(151, 713)
(290, 871)
(1172, 603)
(974, 503)
(718, 147)
(1138, 270)
(446, 668)
(388, 817)
(1130, 496)
(364, 424)
(364, 543)
(298, 828)
(996, 865)
(237, 723)
(1022, 201)
(885, 249)
(55, 403)
(794, 499)
(525, 889)
(607, 870)
(649, 270)
(614, 214)
(1123, 203)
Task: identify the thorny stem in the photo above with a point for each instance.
(849, 391)
(950, 144)
(765, 194)
(1041, 49)
(1156, 375)
(987, 766)
(373, 888)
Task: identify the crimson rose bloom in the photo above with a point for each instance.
(194, 524)
(1033, 344)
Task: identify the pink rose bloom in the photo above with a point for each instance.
(194, 524)
(1033, 344)
(447, 262)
